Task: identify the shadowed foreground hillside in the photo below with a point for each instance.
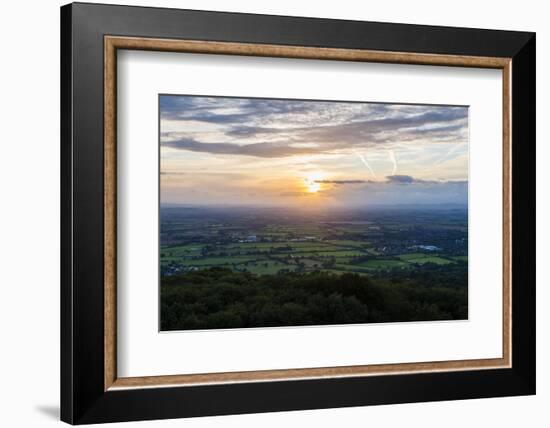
(221, 298)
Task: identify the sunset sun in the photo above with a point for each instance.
(312, 181)
(313, 187)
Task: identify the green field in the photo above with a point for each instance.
(266, 258)
(421, 258)
(262, 268)
(272, 243)
(383, 264)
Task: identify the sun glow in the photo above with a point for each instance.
(312, 182)
(313, 187)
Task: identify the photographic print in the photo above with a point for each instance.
(284, 212)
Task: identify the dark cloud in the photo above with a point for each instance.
(331, 126)
(401, 179)
(441, 123)
(214, 109)
(392, 179)
(447, 124)
(341, 181)
(264, 150)
(250, 131)
(407, 179)
(173, 173)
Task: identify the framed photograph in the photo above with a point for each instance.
(266, 213)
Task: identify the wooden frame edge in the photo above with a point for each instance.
(301, 52)
(109, 198)
(112, 43)
(507, 213)
(308, 373)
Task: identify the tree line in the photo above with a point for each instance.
(221, 298)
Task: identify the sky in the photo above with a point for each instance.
(296, 153)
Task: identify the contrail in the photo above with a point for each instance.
(391, 155)
(366, 163)
(446, 156)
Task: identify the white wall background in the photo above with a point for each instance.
(29, 213)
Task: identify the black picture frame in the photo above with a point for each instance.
(83, 398)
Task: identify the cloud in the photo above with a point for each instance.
(407, 179)
(224, 109)
(401, 179)
(342, 181)
(296, 194)
(430, 127)
(173, 173)
(401, 189)
(444, 124)
(275, 126)
(263, 150)
(393, 179)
